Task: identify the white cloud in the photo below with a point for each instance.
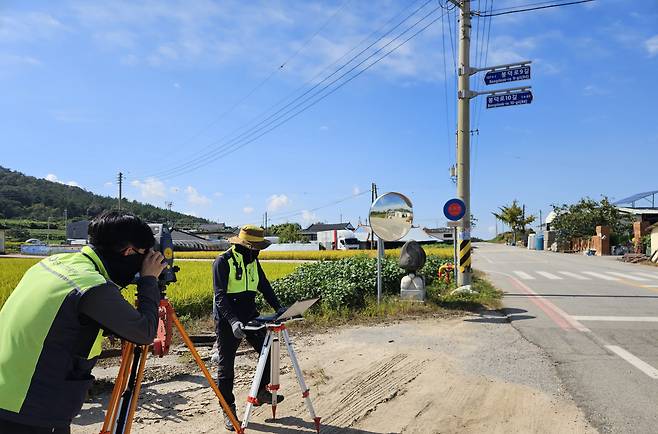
(247, 209)
(28, 27)
(309, 217)
(652, 45)
(277, 201)
(174, 190)
(593, 90)
(218, 194)
(195, 198)
(324, 128)
(53, 178)
(151, 188)
(177, 85)
(18, 60)
(356, 190)
(109, 184)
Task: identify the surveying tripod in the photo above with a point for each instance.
(271, 347)
(123, 401)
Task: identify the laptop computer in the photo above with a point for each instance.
(296, 310)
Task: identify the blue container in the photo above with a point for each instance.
(539, 242)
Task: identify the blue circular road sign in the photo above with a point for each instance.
(454, 209)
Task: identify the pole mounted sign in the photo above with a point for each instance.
(508, 74)
(454, 209)
(508, 99)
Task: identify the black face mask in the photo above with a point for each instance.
(248, 255)
(122, 269)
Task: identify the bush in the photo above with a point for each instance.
(346, 283)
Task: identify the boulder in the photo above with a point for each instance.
(412, 257)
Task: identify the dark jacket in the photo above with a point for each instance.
(241, 306)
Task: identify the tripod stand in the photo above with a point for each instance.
(271, 347)
(123, 401)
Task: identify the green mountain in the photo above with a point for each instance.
(27, 197)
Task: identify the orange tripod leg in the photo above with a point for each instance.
(119, 387)
(138, 387)
(206, 373)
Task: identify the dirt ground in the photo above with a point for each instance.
(474, 374)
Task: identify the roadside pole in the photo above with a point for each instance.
(463, 143)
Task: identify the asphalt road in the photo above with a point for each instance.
(596, 318)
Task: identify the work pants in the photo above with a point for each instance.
(7, 427)
(227, 344)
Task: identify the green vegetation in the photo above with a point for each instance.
(442, 251)
(582, 218)
(287, 232)
(347, 287)
(514, 216)
(26, 197)
(191, 295)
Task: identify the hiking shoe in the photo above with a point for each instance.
(265, 397)
(227, 420)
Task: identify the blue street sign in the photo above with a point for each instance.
(507, 99)
(454, 209)
(505, 75)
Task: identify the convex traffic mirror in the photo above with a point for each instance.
(391, 216)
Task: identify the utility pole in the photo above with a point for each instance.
(463, 141)
(120, 179)
(66, 218)
(169, 204)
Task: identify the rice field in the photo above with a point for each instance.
(319, 255)
(191, 295)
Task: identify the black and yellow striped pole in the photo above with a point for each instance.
(465, 256)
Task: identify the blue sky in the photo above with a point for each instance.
(92, 88)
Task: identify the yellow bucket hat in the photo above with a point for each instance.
(252, 237)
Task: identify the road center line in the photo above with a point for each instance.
(633, 360)
(616, 318)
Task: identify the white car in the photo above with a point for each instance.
(35, 242)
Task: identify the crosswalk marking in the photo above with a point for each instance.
(524, 276)
(548, 275)
(627, 276)
(574, 275)
(599, 275)
(649, 275)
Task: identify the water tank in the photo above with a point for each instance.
(539, 242)
(531, 242)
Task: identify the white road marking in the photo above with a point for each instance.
(616, 318)
(599, 275)
(548, 275)
(524, 275)
(650, 276)
(633, 360)
(627, 276)
(574, 275)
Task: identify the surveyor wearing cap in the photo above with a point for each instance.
(237, 278)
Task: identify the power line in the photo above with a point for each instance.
(279, 68)
(244, 138)
(495, 14)
(249, 129)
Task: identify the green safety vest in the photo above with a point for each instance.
(250, 276)
(49, 291)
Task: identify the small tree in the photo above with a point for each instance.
(287, 232)
(514, 217)
(582, 218)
